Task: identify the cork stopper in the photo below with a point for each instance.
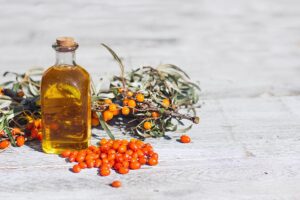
(65, 41)
(65, 44)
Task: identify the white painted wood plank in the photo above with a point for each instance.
(231, 157)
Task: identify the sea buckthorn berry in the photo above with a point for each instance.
(120, 90)
(90, 163)
(140, 143)
(142, 160)
(111, 163)
(111, 151)
(122, 149)
(125, 102)
(107, 101)
(125, 164)
(90, 157)
(123, 170)
(133, 139)
(105, 161)
(116, 145)
(97, 163)
(97, 151)
(185, 139)
(104, 148)
(129, 94)
(116, 184)
(147, 125)
(125, 110)
(140, 97)
(155, 115)
(20, 141)
(140, 153)
(15, 131)
(154, 155)
(104, 171)
(134, 165)
(166, 103)
(124, 142)
(92, 148)
(129, 152)
(76, 169)
(103, 141)
(117, 166)
(133, 146)
(88, 152)
(103, 155)
(72, 158)
(110, 142)
(116, 112)
(152, 161)
(112, 107)
(79, 158)
(127, 156)
(4, 144)
(82, 165)
(2, 133)
(74, 153)
(105, 166)
(95, 122)
(111, 157)
(107, 115)
(132, 103)
(82, 152)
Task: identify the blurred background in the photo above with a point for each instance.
(235, 48)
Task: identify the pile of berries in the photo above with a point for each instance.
(119, 155)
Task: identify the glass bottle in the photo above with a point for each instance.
(65, 101)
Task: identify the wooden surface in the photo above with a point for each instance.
(246, 55)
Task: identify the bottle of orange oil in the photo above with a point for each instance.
(65, 101)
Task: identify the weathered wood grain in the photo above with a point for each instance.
(246, 55)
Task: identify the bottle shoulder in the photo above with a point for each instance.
(66, 69)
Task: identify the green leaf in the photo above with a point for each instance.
(174, 67)
(6, 83)
(9, 134)
(119, 61)
(16, 87)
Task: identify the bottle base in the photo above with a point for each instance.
(52, 147)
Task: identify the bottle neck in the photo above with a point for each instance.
(65, 58)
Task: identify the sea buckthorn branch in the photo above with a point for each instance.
(150, 97)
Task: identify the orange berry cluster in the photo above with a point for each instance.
(119, 155)
(17, 134)
(128, 105)
(34, 127)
